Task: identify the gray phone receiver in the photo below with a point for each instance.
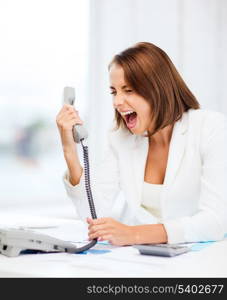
(79, 131)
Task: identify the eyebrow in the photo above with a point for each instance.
(123, 87)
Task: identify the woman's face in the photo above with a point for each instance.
(133, 108)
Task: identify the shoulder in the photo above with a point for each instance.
(206, 120)
(209, 129)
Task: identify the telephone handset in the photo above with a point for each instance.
(79, 131)
(14, 241)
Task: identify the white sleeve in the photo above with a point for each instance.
(209, 223)
(105, 186)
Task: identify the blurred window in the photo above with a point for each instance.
(44, 47)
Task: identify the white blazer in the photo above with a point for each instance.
(194, 193)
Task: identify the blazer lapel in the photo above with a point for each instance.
(140, 151)
(176, 149)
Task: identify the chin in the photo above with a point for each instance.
(138, 131)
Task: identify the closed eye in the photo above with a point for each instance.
(127, 91)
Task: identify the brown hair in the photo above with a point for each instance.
(152, 75)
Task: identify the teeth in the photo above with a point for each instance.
(127, 112)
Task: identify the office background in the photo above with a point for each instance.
(46, 45)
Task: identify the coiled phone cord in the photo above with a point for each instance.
(89, 196)
(87, 181)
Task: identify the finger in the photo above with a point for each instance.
(67, 125)
(90, 226)
(77, 121)
(69, 114)
(68, 107)
(100, 221)
(107, 237)
(97, 234)
(65, 121)
(96, 221)
(101, 225)
(65, 109)
(94, 228)
(89, 220)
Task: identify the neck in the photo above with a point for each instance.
(162, 137)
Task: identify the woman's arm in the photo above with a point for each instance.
(75, 169)
(105, 186)
(150, 234)
(65, 120)
(209, 222)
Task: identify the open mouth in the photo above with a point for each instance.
(131, 119)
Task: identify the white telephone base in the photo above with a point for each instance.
(14, 241)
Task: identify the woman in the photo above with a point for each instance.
(166, 155)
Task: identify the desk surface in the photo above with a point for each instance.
(211, 261)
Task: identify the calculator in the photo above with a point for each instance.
(162, 249)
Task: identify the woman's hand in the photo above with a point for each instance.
(66, 119)
(111, 230)
(120, 234)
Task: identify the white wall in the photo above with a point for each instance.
(192, 32)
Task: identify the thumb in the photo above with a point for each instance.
(89, 220)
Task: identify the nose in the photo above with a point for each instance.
(118, 100)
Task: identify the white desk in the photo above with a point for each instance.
(120, 262)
